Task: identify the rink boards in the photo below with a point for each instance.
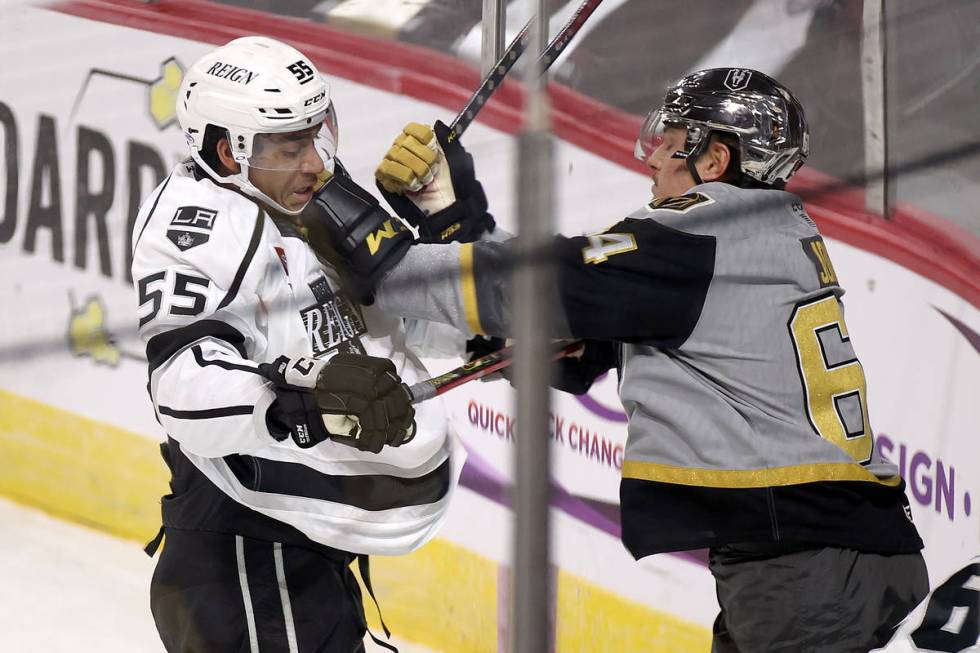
(87, 125)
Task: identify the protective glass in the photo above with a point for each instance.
(296, 150)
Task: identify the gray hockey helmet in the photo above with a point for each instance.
(760, 112)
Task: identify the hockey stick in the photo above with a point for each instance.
(516, 48)
(479, 368)
(498, 360)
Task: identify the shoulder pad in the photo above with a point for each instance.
(726, 211)
(197, 225)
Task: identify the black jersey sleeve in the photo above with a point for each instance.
(639, 281)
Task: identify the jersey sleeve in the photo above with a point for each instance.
(638, 281)
(195, 273)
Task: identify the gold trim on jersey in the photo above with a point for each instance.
(752, 478)
(467, 282)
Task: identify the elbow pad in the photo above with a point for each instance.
(347, 227)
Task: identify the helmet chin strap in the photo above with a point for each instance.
(695, 153)
(241, 180)
(689, 159)
(250, 189)
(691, 168)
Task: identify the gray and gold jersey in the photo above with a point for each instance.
(747, 406)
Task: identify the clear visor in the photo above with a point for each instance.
(652, 135)
(308, 150)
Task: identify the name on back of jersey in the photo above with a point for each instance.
(816, 251)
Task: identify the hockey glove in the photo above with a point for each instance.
(352, 399)
(479, 346)
(346, 226)
(430, 182)
(576, 374)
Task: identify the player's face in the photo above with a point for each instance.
(670, 176)
(290, 165)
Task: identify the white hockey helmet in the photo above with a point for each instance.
(764, 117)
(253, 88)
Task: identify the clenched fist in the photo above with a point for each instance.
(353, 399)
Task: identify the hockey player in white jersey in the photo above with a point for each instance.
(947, 621)
(718, 305)
(292, 445)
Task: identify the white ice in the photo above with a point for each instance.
(68, 588)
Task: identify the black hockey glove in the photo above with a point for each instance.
(466, 219)
(479, 346)
(346, 226)
(576, 375)
(352, 399)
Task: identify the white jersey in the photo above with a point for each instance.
(946, 621)
(223, 288)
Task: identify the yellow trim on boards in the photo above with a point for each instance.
(749, 478)
(442, 596)
(79, 468)
(467, 282)
(591, 618)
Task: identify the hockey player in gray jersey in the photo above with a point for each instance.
(292, 445)
(719, 306)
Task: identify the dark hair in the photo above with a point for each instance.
(733, 173)
(209, 150)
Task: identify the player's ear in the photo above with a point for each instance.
(713, 164)
(225, 156)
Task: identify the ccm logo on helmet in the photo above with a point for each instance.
(232, 73)
(316, 98)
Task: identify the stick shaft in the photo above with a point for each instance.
(516, 48)
(478, 368)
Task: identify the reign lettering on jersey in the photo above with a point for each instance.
(816, 251)
(333, 324)
(680, 204)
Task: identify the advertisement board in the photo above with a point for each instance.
(82, 152)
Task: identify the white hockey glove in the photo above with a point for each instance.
(430, 182)
(352, 399)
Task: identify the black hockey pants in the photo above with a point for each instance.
(779, 599)
(224, 593)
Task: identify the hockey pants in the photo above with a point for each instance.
(217, 592)
(778, 599)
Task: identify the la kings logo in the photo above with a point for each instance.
(191, 226)
(332, 324)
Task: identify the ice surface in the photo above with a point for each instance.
(67, 587)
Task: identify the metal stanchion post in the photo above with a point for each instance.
(494, 26)
(877, 194)
(534, 298)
